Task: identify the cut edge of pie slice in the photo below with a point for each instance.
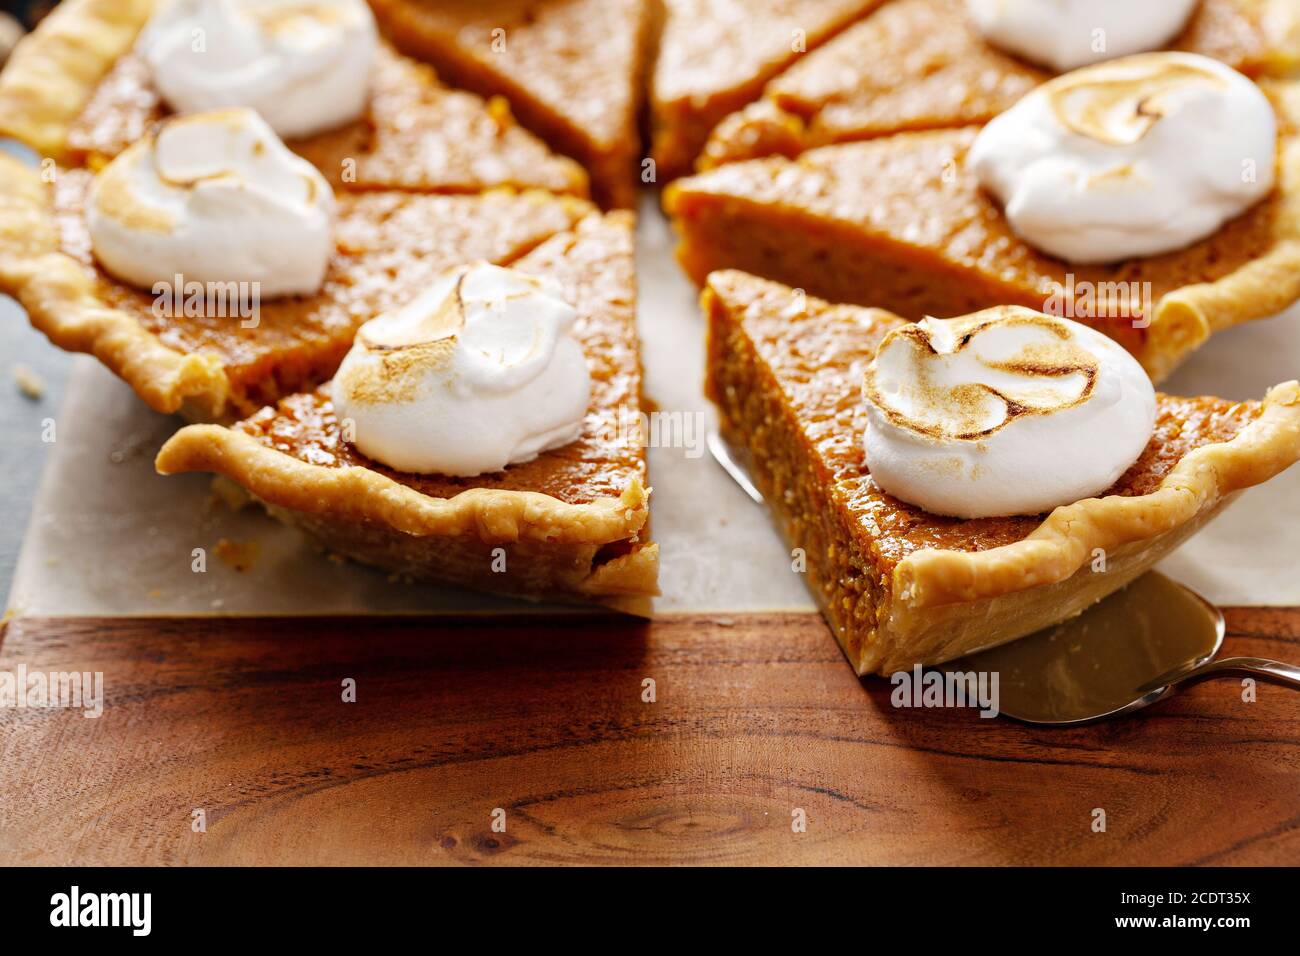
(544, 83)
(932, 70)
(938, 245)
(63, 299)
(74, 92)
(586, 542)
(926, 603)
(715, 57)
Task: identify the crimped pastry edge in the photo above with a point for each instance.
(1186, 317)
(54, 70)
(1068, 537)
(496, 515)
(61, 300)
(332, 503)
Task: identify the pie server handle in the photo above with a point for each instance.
(1275, 671)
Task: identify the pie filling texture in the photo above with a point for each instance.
(716, 56)
(795, 384)
(390, 245)
(901, 223)
(572, 71)
(599, 552)
(418, 135)
(919, 64)
(786, 376)
(594, 264)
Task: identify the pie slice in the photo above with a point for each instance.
(715, 56)
(390, 245)
(901, 223)
(75, 91)
(900, 586)
(919, 64)
(572, 522)
(572, 70)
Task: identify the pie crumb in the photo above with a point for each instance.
(240, 555)
(29, 383)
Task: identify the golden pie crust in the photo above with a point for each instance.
(919, 64)
(900, 222)
(572, 522)
(53, 71)
(899, 586)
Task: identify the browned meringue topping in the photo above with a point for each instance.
(115, 196)
(912, 379)
(1117, 103)
(439, 325)
(286, 17)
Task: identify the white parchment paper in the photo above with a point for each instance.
(109, 536)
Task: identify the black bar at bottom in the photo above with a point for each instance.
(299, 905)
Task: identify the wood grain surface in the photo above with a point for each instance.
(756, 717)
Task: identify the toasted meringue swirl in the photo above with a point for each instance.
(1065, 34)
(477, 373)
(1006, 411)
(303, 64)
(214, 197)
(1119, 107)
(1117, 160)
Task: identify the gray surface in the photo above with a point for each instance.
(24, 454)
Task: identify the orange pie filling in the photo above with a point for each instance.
(572, 72)
(920, 64)
(389, 246)
(716, 55)
(568, 524)
(417, 135)
(902, 223)
(785, 373)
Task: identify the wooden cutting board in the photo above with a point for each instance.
(757, 723)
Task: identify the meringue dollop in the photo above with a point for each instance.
(214, 197)
(1065, 34)
(1003, 412)
(303, 64)
(1134, 157)
(477, 372)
